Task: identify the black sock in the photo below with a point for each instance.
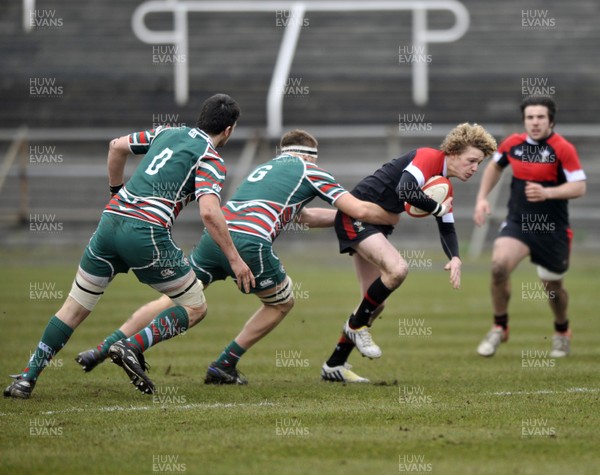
(341, 353)
(375, 296)
(562, 327)
(501, 320)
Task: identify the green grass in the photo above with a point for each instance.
(433, 401)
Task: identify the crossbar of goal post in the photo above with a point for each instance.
(178, 36)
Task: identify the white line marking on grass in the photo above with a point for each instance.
(186, 407)
(545, 391)
(583, 390)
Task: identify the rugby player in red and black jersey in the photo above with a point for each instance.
(546, 174)
(379, 266)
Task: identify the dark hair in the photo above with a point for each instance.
(298, 137)
(539, 101)
(218, 112)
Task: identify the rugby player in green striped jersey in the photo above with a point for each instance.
(134, 232)
(272, 196)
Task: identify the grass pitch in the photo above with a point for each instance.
(434, 406)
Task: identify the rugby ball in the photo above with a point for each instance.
(438, 188)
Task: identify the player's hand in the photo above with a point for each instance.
(454, 267)
(482, 209)
(446, 207)
(244, 277)
(535, 192)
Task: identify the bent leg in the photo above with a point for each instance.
(277, 302)
(265, 319)
(190, 308)
(366, 273)
(142, 317)
(145, 314)
(380, 270)
(382, 255)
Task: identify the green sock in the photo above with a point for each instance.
(169, 323)
(105, 345)
(55, 336)
(231, 355)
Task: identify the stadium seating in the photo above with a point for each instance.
(347, 62)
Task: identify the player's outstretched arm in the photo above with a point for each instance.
(365, 211)
(210, 212)
(118, 151)
(490, 179)
(317, 217)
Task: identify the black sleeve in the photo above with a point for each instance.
(408, 190)
(448, 238)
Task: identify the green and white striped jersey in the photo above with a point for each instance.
(275, 192)
(180, 164)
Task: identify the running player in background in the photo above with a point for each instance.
(546, 174)
(180, 164)
(379, 267)
(271, 197)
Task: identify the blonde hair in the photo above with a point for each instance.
(469, 135)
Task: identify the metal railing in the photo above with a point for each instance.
(16, 160)
(293, 23)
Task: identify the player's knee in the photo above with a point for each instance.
(500, 271)
(186, 291)
(286, 307)
(280, 311)
(196, 314)
(396, 275)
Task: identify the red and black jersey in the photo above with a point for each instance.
(549, 162)
(381, 187)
